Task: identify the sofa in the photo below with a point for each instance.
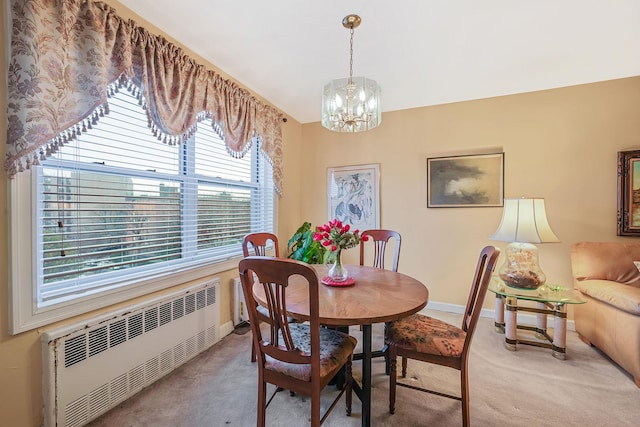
(608, 278)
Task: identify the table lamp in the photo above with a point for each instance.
(524, 222)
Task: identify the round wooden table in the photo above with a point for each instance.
(377, 296)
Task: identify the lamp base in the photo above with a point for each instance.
(521, 269)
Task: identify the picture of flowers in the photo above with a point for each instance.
(353, 195)
(465, 181)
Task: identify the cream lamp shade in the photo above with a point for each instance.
(524, 222)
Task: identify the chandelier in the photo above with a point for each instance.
(351, 104)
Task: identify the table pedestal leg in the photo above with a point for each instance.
(511, 324)
(366, 375)
(559, 331)
(499, 314)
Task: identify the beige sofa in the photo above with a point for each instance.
(605, 274)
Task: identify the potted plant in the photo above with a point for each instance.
(303, 247)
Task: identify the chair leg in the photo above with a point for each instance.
(262, 402)
(464, 391)
(349, 387)
(385, 350)
(404, 367)
(315, 407)
(254, 356)
(392, 379)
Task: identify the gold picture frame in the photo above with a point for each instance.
(628, 217)
(465, 181)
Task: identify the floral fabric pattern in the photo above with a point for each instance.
(335, 348)
(426, 335)
(65, 55)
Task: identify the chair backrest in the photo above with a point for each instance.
(273, 275)
(258, 242)
(481, 279)
(380, 238)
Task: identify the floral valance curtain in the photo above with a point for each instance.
(65, 54)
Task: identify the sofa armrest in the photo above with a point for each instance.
(623, 297)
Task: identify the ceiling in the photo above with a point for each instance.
(421, 52)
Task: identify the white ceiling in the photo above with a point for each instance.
(421, 52)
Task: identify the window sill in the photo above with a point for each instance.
(26, 316)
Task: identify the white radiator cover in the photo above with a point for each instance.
(90, 367)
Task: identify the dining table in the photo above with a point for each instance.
(376, 296)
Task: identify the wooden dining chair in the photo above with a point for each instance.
(301, 357)
(431, 340)
(256, 244)
(379, 239)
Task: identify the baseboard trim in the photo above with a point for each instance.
(523, 318)
(226, 328)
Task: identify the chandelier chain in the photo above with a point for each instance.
(351, 31)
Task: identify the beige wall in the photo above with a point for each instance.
(559, 144)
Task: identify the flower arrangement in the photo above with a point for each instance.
(336, 236)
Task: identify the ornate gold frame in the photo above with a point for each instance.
(628, 193)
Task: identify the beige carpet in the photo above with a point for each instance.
(524, 388)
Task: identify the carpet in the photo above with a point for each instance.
(527, 387)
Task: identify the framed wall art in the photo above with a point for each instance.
(465, 181)
(354, 195)
(629, 193)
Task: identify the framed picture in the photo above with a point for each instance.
(354, 195)
(629, 193)
(465, 181)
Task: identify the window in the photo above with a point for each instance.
(117, 208)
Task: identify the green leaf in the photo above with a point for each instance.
(302, 247)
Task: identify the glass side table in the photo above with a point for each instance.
(549, 299)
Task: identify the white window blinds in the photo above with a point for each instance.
(117, 202)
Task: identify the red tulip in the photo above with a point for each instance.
(365, 238)
(333, 248)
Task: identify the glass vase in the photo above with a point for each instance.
(337, 271)
(521, 269)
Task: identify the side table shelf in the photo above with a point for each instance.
(549, 299)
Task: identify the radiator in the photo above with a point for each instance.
(90, 367)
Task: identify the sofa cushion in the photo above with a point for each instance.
(623, 297)
(612, 261)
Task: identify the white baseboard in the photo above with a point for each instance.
(226, 328)
(523, 318)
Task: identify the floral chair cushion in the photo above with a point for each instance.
(426, 335)
(335, 348)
